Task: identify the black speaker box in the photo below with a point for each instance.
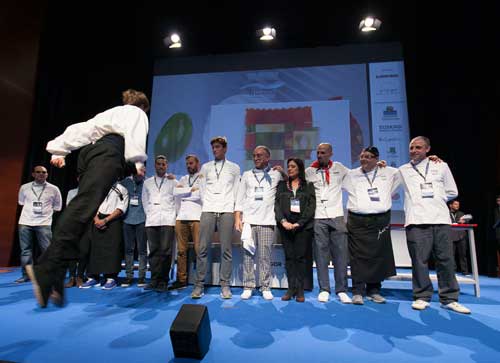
(190, 332)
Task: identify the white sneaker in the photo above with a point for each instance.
(324, 296)
(267, 295)
(247, 294)
(456, 307)
(344, 298)
(420, 305)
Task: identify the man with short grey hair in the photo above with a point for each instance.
(428, 186)
(254, 217)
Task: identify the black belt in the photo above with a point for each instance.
(370, 214)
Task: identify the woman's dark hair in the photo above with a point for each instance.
(302, 169)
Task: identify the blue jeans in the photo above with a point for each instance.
(133, 233)
(43, 235)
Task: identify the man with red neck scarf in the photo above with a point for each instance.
(330, 233)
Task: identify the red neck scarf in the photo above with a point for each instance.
(316, 165)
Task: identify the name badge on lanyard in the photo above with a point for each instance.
(259, 193)
(37, 207)
(134, 201)
(373, 194)
(427, 190)
(295, 205)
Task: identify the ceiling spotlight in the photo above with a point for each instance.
(173, 41)
(266, 33)
(369, 24)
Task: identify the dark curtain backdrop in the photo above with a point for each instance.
(88, 57)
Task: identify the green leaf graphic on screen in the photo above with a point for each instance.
(174, 136)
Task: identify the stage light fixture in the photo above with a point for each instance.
(173, 41)
(369, 24)
(266, 33)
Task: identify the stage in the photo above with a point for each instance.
(129, 325)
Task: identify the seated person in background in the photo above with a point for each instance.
(459, 238)
(496, 227)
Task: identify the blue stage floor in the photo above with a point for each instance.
(128, 325)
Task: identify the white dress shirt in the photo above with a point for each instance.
(71, 194)
(158, 201)
(117, 198)
(219, 186)
(129, 121)
(427, 210)
(34, 214)
(382, 182)
(190, 202)
(328, 196)
(257, 204)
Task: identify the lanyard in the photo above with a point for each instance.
(218, 173)
(194, 181)
(264, 172)
(162, 180)
(322, 172)
(136, 185)
(373, 179)
(33, 190)
(419, 173)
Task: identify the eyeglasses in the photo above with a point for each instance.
(40, 172)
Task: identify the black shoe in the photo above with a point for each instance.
(22, 280)
(151, 286)
(58, 288)
(42, 284)
(162, 286)
(127, 282)
(177, 285)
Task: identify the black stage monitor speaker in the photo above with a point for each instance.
(190, 332)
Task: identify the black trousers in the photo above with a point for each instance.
(100, 165)
(298, 256)
(160, 240)
(460, 254)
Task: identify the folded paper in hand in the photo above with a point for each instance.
(246, 238)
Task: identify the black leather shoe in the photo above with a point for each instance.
(151, 286)
(42, 285)
(162, 286)
(22, 280)
(177, 285)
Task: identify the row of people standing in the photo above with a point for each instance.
(428, 186)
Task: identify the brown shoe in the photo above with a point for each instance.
(70, 283)
(79, 281)
(288, 295)
(299, 297)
